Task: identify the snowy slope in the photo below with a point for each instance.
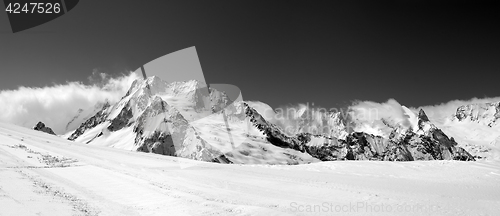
(476, 138)
(477, 128)
(41, 174)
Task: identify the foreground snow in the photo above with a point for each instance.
(42, 174)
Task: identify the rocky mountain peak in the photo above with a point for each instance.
(40, 126)
(425, 126)
(422, 116)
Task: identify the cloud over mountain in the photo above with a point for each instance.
(438, 113)
(370, 111)
(56, 105)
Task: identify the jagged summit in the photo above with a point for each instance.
(424, 124)
(422, 116)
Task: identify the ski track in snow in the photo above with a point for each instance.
(41, 174)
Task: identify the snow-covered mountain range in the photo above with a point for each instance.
(187, 119)
(476, 127)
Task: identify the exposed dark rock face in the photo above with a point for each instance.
(437, 143)
(158, 142)
(163, 143)
(122, 119)
(222, 159)
(435, 147)
(460, 154)
(330, 150)
(422, 117)
(363, 146)
(430, 144)
(41, 127)
(273, 133)
(421, 147)
(98, 118)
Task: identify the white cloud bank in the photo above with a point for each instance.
(438, 113)
(392, 113)
(373, 117)
(56, 105)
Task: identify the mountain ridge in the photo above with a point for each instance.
(143, 118)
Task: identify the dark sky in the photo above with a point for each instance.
(278, 52)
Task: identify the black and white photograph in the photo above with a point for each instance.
(243, 108)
